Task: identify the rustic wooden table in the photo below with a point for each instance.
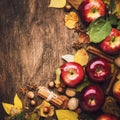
(32, 40)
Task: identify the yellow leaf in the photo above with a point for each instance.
(7, 107)
(71, 16)
(66, 115)
(17, 102)
(43, 105)
(71, 19)
(57, 3)
(81, 57)
(70, 24)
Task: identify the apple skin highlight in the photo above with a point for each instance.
(72, 73)
(90, 10)
(92, 98)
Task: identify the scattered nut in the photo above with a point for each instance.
(70, 92)
(68, 8)
(30, 95)
(61, 90)
(78, 110)
(46, 110)
(33, 102)
(117, 61)
(73, 103)
(51, 84)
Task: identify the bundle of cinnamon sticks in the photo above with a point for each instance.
(59, 101)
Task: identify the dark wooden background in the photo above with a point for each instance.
(32, 40)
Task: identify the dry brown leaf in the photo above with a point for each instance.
(75, 3)
(110, 106)
(82, 40)
(71, 19)
(57, 3)
(81, 57)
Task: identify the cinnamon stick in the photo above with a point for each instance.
(111, 81)
(99, 53)
(57, 100)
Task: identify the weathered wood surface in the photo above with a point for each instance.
(32, 39)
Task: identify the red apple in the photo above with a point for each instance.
(111, 44)
(72, 73)
(106, 116)
(92, 98)
(90, 10)
(98, 69)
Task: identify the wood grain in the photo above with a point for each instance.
(32, 40)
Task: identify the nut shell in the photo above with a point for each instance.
(70, 92)
(117, 61)
(30, 95)
(73, 103)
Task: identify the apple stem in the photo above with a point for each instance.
(111, 81)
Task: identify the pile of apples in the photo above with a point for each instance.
(98, 70)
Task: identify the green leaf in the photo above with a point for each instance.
(96, 22)
(20, 116)
(99, 30)
(118, 25)
(32, 116)
(113, 19)
(111, 6)
(82, 85)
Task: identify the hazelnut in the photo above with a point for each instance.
(68, 8)
(73, 103)
(51, 84)
(61, 90)
(33, 102)
(46, 110)
(70, 92)
(78, 110)
(117, 61)
(30, 95)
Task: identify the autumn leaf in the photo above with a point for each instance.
(57, 80)
(71, 19)
(81, 57)
(116, 10)
(14, 108)
(66, 115)
(18, 102)
(75, 3)
(57, 3)
(44, 105)
(7, 107)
